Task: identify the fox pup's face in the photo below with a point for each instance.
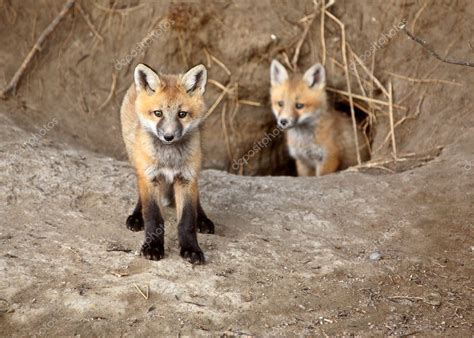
(298, 100)
(170, 107)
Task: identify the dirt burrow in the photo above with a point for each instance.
(72, 76)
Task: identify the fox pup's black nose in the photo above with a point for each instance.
(283, 122)
(168, 137)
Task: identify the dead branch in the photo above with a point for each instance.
(296, 56)
(36, 48)
(411, 79)
(226, 134)
(111, 93)
(392, 128)
(250, 103)
(323, 39)
(432, 52)
(363, 98)
(369, 74)
(348, 82)
(216, 103)
(89, 22)
(221, 64)
(141, 292)
(402, 120)
(400, 158)
(418, 14)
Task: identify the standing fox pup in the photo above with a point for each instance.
(319, 139)
(161, 117)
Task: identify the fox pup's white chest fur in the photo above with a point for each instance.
(302, 146)
(173, 162)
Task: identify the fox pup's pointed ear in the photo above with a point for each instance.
(195, 79)
(315, 77)
(278, 73)
(146, 78)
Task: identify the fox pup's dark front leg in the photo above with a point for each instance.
(205, 225)
(135, 220)
(186, 196)
(153, 247)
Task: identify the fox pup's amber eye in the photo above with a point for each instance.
(158, 113)
(299, 105)
(182, 114)
(280, 103)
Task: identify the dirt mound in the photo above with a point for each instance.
(81, 74)
(363, 255)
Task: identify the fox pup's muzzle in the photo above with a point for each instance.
(285, 123)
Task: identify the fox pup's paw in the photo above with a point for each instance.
(193, 255)
(205, 225)
(153, 251)
(135, 222)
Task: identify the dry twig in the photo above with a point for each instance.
(221, 64)
(250, 103)
(363, 98)
(36, 48)
(208, 57)
(296, 55)
(399, 122)
(111, 93)
(432, 52)
(89, 22)
(348, 82)
(218, 84)
(410, 298)
(226, 134)
(411, 79)
(323, 40)
(215, 104)
(369, 74)
(418, 14)
(401, 158)
(392, 128)
(118, 10)
(141, 292)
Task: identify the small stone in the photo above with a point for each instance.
(375, 256)
(247, 297)
(433, 298)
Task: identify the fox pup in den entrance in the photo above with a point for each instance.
(320, 139)
(161, 117)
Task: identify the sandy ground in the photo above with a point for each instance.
(290, 255)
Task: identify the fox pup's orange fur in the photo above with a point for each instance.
(319, 139)
(161, 117)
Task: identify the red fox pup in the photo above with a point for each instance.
(161, 117)
(319, 139)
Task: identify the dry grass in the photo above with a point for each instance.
(348, 81)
